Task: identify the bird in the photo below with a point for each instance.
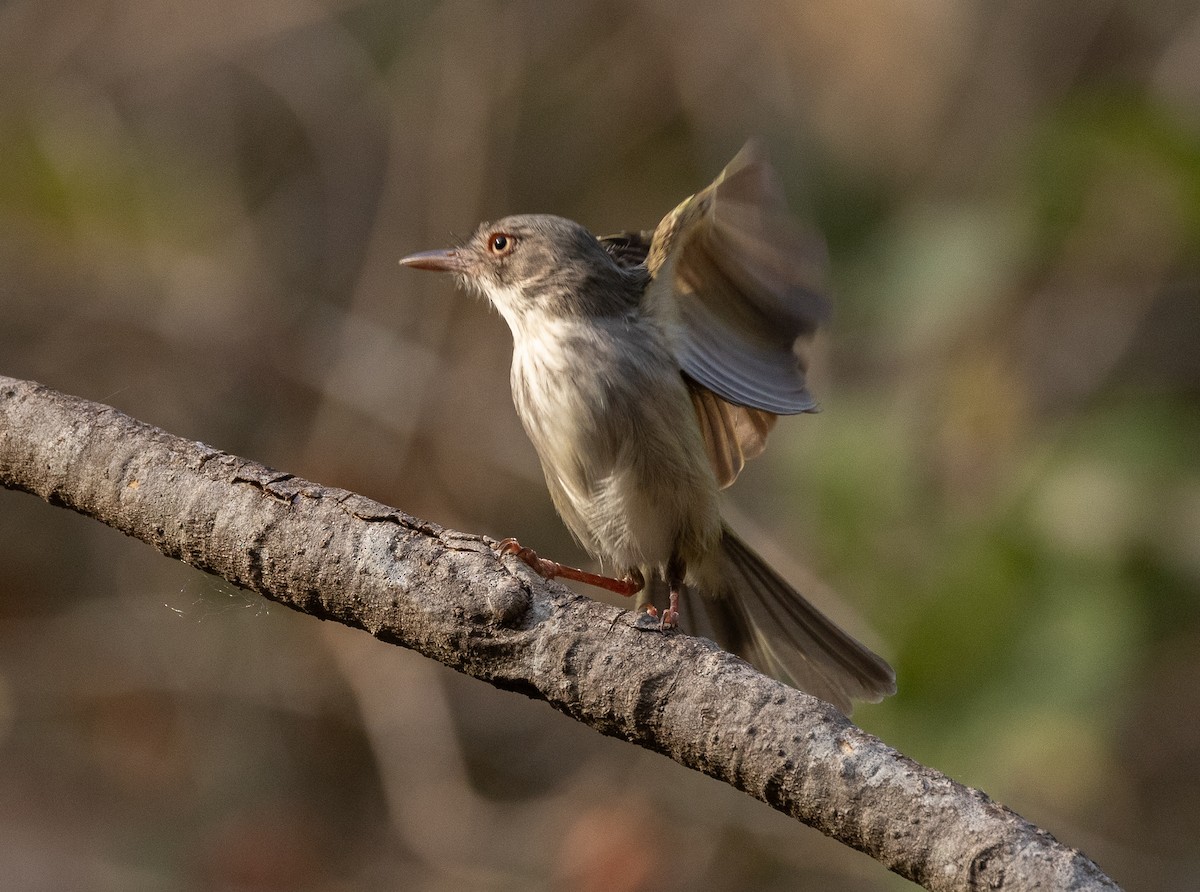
(648, 367)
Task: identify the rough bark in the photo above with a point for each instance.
(339, 556)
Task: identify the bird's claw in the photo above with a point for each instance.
(670, 616)
(544, 568)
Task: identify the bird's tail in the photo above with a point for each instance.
(757, 615)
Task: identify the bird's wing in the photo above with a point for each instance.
(739, 283)
(746, 281)
(628, 249)
(732, 434)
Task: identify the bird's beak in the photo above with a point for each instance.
(447, 261)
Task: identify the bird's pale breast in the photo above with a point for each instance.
(605, 406)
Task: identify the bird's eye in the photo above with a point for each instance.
(500, 243)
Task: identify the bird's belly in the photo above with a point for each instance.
(623, 459)
(635, 522)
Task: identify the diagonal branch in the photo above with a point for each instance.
(339, 556)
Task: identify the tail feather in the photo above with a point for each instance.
(759, 616)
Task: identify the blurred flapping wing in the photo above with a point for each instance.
(740, 282)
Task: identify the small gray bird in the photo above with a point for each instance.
(647, 368)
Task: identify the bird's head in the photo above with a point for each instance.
(537, 266)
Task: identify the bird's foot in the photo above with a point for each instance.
(670, 617)
(626, 587)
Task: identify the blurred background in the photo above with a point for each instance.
(201, 210)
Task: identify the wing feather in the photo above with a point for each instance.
(739, 283)
(743, 282)
(732, 434)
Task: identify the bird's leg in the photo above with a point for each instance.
(629, 586)
(670, 616)
(676, 571)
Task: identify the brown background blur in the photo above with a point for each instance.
(201, 209)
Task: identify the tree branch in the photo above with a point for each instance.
(339, 556)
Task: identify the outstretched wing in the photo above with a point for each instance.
(747, 282)
(741, 283)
